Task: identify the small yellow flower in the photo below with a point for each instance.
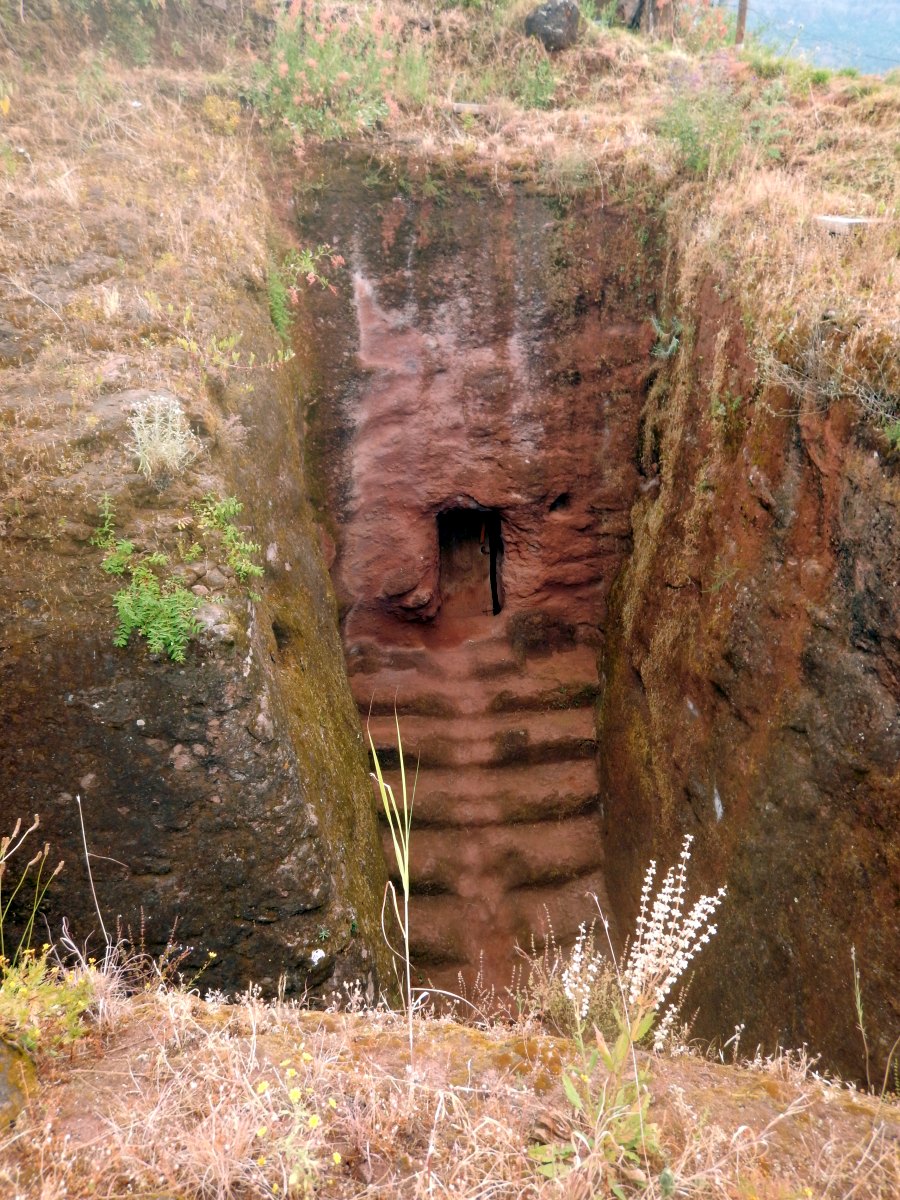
(332, 1103)
(290, 1072)
(306, 1056)
(262, 1087)
(262, 1131)
(314, 1122)
(285, 1062)
(275, 1189)
(261, 1161)
(294, 1095)
(335, 1158)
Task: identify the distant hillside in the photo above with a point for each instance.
(832, 33)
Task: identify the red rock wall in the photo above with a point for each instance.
(751, 696)
(496, 359)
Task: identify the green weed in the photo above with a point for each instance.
(124, 25)
(414, 75)
(279, 304)
(164, 614)
(763, 60)
(818, 76)
(707, 128)
(605, 15)
(333, 72)
(9, 161)
(307, 266)
(533, 83)
(765, 129)
(220, 515)
(40, 1004)
(104, 534)
(161, 609)
(118, 558)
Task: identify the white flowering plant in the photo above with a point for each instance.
(668, 936)
(612, 1139)
(163, 441)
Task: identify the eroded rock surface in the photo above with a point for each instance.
(752, 697)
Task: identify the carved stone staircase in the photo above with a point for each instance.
(506, 831)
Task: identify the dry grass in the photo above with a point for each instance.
(209, 1100)
(127, 223)
(824, 304)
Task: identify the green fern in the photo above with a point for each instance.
(118, 557)
(220, 515)
(164, 615)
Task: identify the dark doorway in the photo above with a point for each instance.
(471, 546)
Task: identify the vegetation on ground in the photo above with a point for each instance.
(219, 515)
(163, 441)
(41, 1002)
(260, 1098)
(163, 613)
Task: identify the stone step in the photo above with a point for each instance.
(452, 936)
(477, 657)
(564, 680)
(476, 796)
(498, 740)
(486, 863)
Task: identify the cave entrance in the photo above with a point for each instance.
(471, 547)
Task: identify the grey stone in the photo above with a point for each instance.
(554, 24)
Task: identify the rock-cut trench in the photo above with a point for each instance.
(474, 430)
(609, 609)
